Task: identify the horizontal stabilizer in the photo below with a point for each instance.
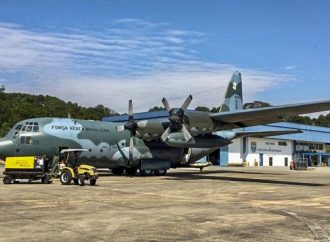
(261, 134)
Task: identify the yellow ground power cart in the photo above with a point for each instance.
(26, 167)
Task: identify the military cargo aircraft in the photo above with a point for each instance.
(179, 138)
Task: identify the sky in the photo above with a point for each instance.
(108, 51)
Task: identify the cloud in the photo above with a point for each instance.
(131, 58)
(289, 68)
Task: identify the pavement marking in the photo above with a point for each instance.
(320, 234)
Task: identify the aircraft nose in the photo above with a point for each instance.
(6, 148)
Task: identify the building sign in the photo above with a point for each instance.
(265, 147)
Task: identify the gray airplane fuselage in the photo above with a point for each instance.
(105, 145)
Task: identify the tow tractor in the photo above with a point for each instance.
(72, 171)
(27, 168)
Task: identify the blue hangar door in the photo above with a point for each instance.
(224, 156)
(261, 159)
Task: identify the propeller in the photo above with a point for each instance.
(176, 119)
(132, 126)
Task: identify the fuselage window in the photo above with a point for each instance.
(26, 140)
(35, 142)
(24, 127)
(28, 128)
(35, 128)
(17, 129)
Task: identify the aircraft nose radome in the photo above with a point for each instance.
(6, 147)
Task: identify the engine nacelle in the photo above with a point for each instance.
(150, 129)
(198, 123)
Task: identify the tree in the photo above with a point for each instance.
(202, 109)
(156, 109)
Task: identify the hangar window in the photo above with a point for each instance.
(282, 143)
(313, 146)
(328, 148)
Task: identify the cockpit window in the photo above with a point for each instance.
(28, 127)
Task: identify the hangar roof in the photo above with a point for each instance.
(310, 133)
(137, 116)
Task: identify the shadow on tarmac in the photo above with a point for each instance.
(205, 175)
(201, 176)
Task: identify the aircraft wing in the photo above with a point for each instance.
(258, 116)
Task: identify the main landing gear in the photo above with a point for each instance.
(132, 171)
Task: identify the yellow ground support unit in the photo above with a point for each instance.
(28, 168)
(20, 162)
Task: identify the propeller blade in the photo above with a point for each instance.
(187, 136)
(120, 128)
(166, 104)
(131, 147)
(130, 110)
(186, 103)
(122, 154)
(165, 134)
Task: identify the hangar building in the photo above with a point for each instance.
(313, 144)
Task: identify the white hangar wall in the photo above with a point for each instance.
(260, 152)
(268, 152)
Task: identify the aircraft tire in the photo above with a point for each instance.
(81, 180)
(160, 172)
(65, 177)
(146, 172)
(92, 182)
(7, 180)
(118, 171)
(131, 171)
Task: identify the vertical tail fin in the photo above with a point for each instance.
(233, 99)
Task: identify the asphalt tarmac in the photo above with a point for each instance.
(218, 204)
